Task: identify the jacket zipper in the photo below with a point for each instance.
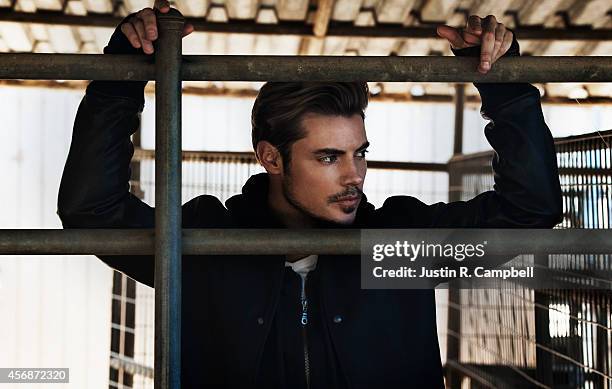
(304, 321)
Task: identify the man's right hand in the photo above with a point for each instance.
(141, 29)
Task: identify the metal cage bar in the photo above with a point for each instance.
(168, 245)
(285, 241)
(306, 68)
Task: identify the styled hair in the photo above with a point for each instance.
(280, 107)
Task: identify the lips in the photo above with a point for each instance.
(348, 200)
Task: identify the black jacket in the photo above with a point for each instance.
(371, 338)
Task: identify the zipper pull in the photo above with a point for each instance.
(304, 312)
(304, 319)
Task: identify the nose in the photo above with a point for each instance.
(353, 173)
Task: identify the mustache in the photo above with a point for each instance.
(352, 191)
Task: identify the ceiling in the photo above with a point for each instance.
(323, 27)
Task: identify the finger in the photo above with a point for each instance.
(500, 31)
(150, 23)
(474, 25)
(506, 43)
(147, 47)
(487, 44)
(162, 5)
(452, 35)
(130, 33)
(471, 39)
(188, 29)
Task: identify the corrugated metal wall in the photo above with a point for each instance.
(54, 310)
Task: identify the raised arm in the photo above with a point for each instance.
(94, 190)
(527, 192)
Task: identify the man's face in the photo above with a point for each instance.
(328, 168)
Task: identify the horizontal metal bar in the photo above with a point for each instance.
(119, 361)
(212, 91)
(412, 166)
(285, 241)
(249, 157)
(396, 97)
(307, 68)
(76, 67)
(77, 241)
(598, 135)
(485, 168)
(335, 29)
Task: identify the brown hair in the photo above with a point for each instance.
(280, 106)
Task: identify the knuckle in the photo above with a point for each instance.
(474, 21)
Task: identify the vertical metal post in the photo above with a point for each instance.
(459, 101)
(168, 201)
(453, 343)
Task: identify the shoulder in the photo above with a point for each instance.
(204, 211)
(403, 212)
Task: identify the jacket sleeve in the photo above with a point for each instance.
(94, 189)
(526, 192)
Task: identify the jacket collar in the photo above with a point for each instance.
(251, 208)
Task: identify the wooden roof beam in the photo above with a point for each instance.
(303, 29)
(322, 17)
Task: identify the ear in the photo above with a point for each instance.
(269, 157)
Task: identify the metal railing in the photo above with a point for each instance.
(542, 338)
(311, 68)
(168, 70)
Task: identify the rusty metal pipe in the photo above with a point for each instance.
(168, 245)
(307, 68)
(284, 241)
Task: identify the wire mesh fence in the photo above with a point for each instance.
(520, 337)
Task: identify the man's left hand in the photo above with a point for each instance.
(493, 37)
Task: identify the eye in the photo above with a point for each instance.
(362, 153)
(329, 159)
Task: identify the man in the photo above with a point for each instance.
(304, 322)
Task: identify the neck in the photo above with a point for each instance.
(286, 213)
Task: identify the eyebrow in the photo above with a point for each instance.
(328, 151)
